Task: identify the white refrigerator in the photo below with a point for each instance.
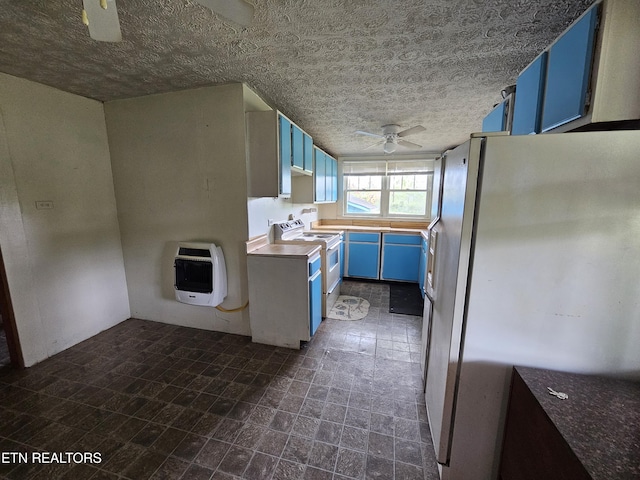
(534, 260)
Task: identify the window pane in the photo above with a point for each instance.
(352, 182)
(408, 182)
(422, 182)
(363, 202)
(408, 203)
(396, 182)
(364, 183)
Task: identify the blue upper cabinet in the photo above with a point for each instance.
(495, 120)
(568, 72)
(297, 145)
(527, 111)
(284, 136)
(331, 185)
(325, 177)
(307, 147)
(319, 175)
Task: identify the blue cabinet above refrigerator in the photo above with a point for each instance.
(568, 72)
(589, 75)
(527, 112)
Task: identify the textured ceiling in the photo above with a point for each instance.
(332, 66)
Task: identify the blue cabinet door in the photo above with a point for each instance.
(401, 257)
(284, 133)
(364, 260)
(495, 120)
(319, 175)
(328, 195)
(307, 146)
(315, 302)
(297, 147)
(342, 259)
(527, 111)
(334, 181)
(568, 72)
(401, 262)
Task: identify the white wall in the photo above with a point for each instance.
(263, 209)
(64, 265)
(180, 175)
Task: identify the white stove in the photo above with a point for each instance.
(293, 231)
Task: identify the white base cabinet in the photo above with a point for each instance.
(285, 298)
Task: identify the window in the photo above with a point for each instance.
(387, 189)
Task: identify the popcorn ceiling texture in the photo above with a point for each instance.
(332, 66)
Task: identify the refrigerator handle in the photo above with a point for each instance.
(431, 261)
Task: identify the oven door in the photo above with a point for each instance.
(332, 275)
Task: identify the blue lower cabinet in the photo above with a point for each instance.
(364, 260)
(315, 302)
(364, 255)
(401, 257)
(342, 258)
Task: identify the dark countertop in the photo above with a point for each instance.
(600, 420)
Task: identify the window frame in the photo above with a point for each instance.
(386, 190)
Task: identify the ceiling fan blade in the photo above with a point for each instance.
(103, 24)
(370, 134)
(411, 145)
(377, 144)
(411, 131)
(237, 11)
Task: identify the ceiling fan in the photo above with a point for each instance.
(392, 137)
(101, 16)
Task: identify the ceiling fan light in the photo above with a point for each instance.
(389, 147)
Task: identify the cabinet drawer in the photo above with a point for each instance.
(314, 266)
(364, 237)
(402, 239)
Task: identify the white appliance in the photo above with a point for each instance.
(534, 260)
(200, 274)
(293, 231)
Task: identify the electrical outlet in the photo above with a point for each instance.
(44, 205)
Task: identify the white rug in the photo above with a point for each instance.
(349, 308)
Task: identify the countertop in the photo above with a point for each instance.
(287, 250)
(600, 420)
(361, 228)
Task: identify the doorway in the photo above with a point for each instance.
(10, 351)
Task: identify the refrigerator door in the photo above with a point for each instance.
(438, 166)
(450, 265)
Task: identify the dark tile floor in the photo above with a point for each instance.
(4, 349)
(160, 401)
